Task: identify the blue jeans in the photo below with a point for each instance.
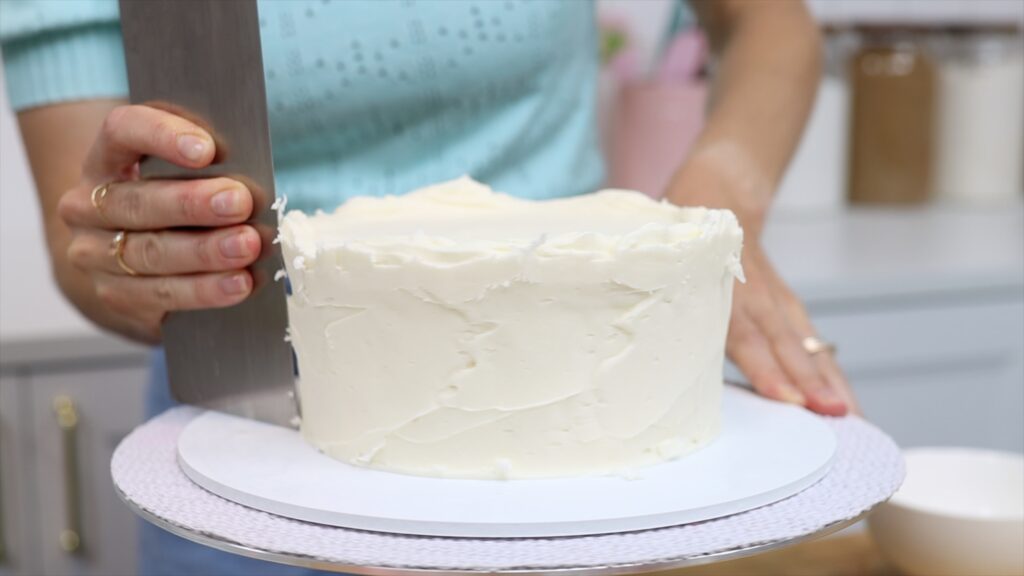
(162, 553)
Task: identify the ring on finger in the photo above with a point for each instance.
(814, 346)
(98, 195)
(117, 251)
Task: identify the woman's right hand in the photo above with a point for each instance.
(185, 239)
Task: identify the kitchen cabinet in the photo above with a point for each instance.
(63, 410)
(17, 553)
(926, 307)
(83, 526)
(949, 373)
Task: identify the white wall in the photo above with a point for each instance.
(31, 306)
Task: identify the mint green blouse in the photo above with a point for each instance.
(371, 97)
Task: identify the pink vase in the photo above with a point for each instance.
(655, 124)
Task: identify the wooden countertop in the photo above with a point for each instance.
(846, 554)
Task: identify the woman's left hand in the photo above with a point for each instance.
(766, 342)
(769, 323)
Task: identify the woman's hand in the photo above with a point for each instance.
(769, 323)
(765, 341)
(185, 245)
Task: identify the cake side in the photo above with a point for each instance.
(531, 345)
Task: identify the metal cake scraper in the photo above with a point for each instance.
(202, 61)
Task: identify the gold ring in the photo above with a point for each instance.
(98, 195)
(117, 251)
(814, 345)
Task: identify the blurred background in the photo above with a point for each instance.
(900, 222)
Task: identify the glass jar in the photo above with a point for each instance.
(892, 80)
(979, 115)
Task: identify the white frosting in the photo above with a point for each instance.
(459, 332)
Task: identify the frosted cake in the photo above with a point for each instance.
(458, 332)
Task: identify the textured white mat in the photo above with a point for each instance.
(867, 470)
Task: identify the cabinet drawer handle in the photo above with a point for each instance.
(3, 537)
(70, 538)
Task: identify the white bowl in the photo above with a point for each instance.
(960, 511)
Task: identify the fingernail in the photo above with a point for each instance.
(792, 395)
(227, 202)
(235, 284)
(829, 396)
(192, 147)
(234, 246)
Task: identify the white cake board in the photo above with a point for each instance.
(767, 451)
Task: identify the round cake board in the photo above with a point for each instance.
(767, 451)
